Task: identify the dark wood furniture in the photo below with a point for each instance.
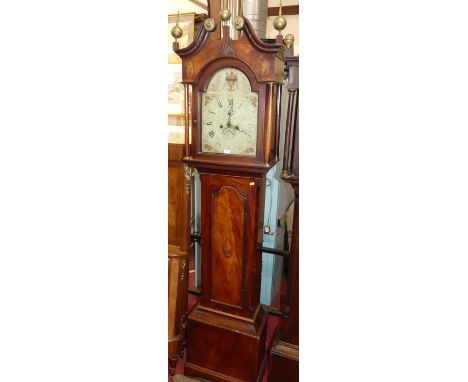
(226, 331)
(178, 199)
(177, 303)
(284, 354)
(178, 252)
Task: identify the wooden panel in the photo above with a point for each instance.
(177, 303)
(295, 150)
(284, 363)
(173, 202)
(175, 153)
(178, 200)
(228, 209)
(222, 348)
(287, 10)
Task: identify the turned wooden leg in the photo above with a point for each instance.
(183, 333)
(172, 364)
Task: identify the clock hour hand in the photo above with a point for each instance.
(218, 101)
(237, 108)
(230, 128)
(241, 131)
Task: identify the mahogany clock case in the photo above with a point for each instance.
(263, 64)
(227, 330)
(223, 348)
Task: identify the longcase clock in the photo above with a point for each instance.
(284, 353)
(232, 140)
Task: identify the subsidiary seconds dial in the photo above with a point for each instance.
(229, 114)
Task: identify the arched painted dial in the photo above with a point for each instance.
(229, 114)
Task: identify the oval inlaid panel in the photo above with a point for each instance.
(227, 245)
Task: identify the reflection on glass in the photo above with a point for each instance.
(278, 266)
(194, 268)
(288, 221)
(195, 275)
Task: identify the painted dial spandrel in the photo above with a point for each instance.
(229, 114)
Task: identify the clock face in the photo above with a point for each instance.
(229, 114)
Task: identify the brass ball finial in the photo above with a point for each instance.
(280, 23)
(210, 24)
(225, 14)
(177, 31)
(239, 22)
(288, 40)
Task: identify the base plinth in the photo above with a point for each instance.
(225, 348)
(284, 361)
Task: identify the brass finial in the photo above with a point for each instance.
(176, 31)
(280, 21)
(210, 24)
(225, 14)
(239, 22)
(288, 40)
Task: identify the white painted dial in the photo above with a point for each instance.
(229, 114)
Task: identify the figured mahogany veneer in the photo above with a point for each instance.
(228, 209)
(223, 348)
(231, 264)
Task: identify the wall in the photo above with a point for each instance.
(292, 26)
(184, 6)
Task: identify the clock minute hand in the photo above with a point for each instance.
(240, 130)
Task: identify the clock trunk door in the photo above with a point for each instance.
(229, 238)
